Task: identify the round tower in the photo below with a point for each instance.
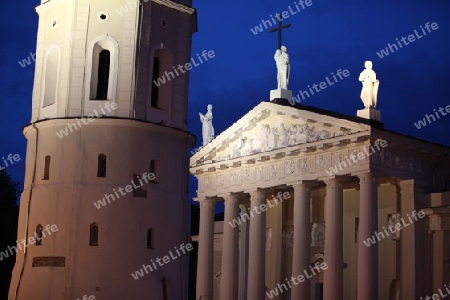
(105, 198)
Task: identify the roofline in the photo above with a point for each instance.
(373, 123)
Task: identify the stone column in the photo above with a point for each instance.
(257, 248)
(333, 275)
(368, 225)
(230, 262)
(205, 250)
(302, 241)
(243, 256)
(413, 262)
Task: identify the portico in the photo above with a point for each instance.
(279, 148)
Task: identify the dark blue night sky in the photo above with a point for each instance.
(323, 38)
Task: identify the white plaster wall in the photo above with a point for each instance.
(67, 200)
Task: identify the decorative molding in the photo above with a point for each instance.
(393, 219)
(288, 237)
(266, 138)
(392, 159)
(435, 223)
(289, 167)
(176, 6)
(318, 234)
(49, 261)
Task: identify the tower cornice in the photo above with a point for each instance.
(177, 6)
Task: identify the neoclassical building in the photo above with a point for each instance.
(313, 186)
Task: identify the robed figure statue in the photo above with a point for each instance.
(370, 85)
(283, 67)
(207, 126)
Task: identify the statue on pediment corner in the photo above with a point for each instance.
(207, 126)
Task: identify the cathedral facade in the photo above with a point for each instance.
(320, 205)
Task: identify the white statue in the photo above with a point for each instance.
(370, 85)
(207, 126)
(283, 67)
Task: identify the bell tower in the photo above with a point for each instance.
(107, 153)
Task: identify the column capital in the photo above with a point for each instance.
(256, 194)
(367, 178)
(304, 183)
(205, 201)
(334, 182)
(244, 207)
(231, 196)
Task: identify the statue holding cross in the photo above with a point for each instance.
(283, 67)
(282, 58)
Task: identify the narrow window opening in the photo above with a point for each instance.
(138, 191)
(319, 291)
(155, 82)
(101, 167)
(47, 168)
(93, 235)
(39, 230)
(165, 286)
(153, 170)
(104, 64)
(150, 239)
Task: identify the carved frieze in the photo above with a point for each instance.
(246, 174)
(401, 161)
(259, 173)
(289, 167)
(268, 137)
(274, 171)
(220, 180)
(321, 162)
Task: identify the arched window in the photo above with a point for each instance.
(102, 69)
(162, 76)
(150, 239)
(155, 84)
(165, 287)
(104, 64)
(101, 165)
(93, 235)
(51, 76)
(47, 168)
(39, 230)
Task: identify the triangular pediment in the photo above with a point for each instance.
(270, 126)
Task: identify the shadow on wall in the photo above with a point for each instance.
(9, 213)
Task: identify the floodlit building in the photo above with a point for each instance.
(99, 128)
(320, 205)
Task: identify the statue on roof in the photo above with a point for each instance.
(370, 84)
(283, 67)
(207, 126)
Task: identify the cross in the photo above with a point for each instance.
(279, 29)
